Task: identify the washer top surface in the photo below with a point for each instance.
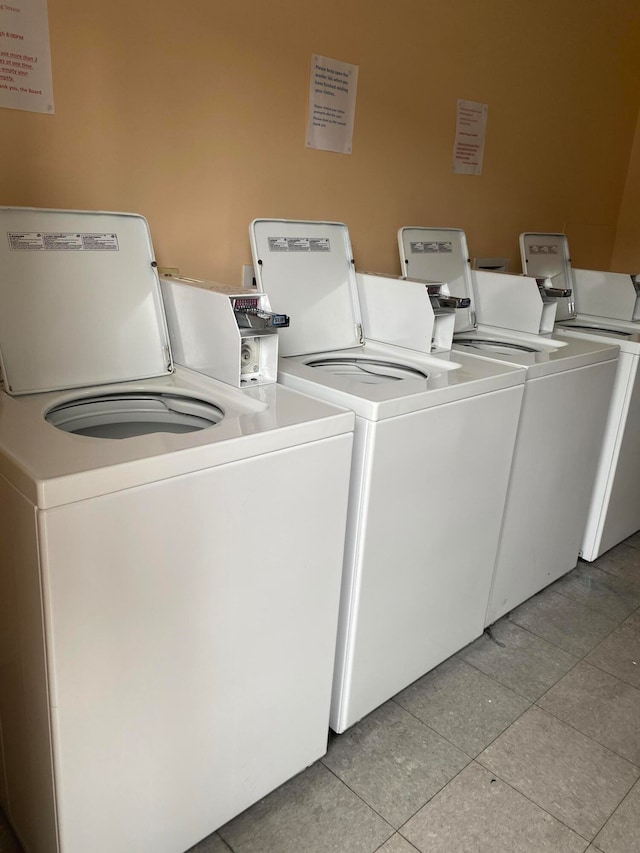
(541, 356)
(307, 269)
(379, 381)
(53, 467)
(80, 301)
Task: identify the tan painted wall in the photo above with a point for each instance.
(626, 251)
(193, 113)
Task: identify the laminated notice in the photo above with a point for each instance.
(299, 244)
(37, 241)
(423, 248)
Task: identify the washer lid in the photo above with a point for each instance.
(440, 254)
(80, 300)
(307, 269)
(547, 256)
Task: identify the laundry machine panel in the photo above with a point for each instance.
(617, 516)
(423, 544)
(26, 786)
(547, 503)
(210, 634)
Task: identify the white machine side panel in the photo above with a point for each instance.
(422, 543)
(605, 294)
(25, 753)
(508, 301)
(83, 315)
(615, 506)
(396, 312)
(193, 628)
(554, 466)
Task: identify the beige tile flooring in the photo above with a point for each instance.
(528, 740)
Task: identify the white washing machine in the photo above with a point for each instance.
(604, 307)
(420, 544)
(170, 557)
(564, 410)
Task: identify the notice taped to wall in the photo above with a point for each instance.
(471, 127)
(25, 56)
(332, 104)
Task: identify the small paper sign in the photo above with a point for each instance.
(332, 104)
(471, 127)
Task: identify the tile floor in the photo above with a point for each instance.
(527, 740)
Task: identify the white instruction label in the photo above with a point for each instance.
(544, 249)
(299, 244)
(471, 129)
(36, 241)
(422, 248)
(25, 56)
(332, 104)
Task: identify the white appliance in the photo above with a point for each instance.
(170, 557)
(564, 410)
(429, 429)
(604, 307)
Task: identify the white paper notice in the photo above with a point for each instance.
(332, 104)
(25, 57)
(471, 127)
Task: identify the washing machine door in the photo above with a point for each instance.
(80, 301)
(129, 414)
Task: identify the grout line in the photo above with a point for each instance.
(542, 808)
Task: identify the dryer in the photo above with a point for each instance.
(604, 307)
(564, 410)
(170, 557)
(420, 546)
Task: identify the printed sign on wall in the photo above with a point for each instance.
(471, 127)
(332, 104)
(25, 56)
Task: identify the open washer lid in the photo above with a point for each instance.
(308, 272)
(80, 301)
(440, 254)
(547, 256)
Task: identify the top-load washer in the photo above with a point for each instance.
(564, 410)
(603, 307)
(170, 557)
(429, 428)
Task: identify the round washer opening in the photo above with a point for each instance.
(489, 345)
(131, 414)
(592, 328)
(370, 370)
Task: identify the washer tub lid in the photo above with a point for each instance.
(80, 301)
(440, 254)
(308, 272)
(546, 255)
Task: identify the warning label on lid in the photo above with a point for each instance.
(544, 249)
(299, 244)
(423, 248)
(36, 241)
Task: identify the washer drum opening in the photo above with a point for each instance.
(131, 414)
(368, 370)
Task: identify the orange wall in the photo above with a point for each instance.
(193, 113)
(626, 251)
